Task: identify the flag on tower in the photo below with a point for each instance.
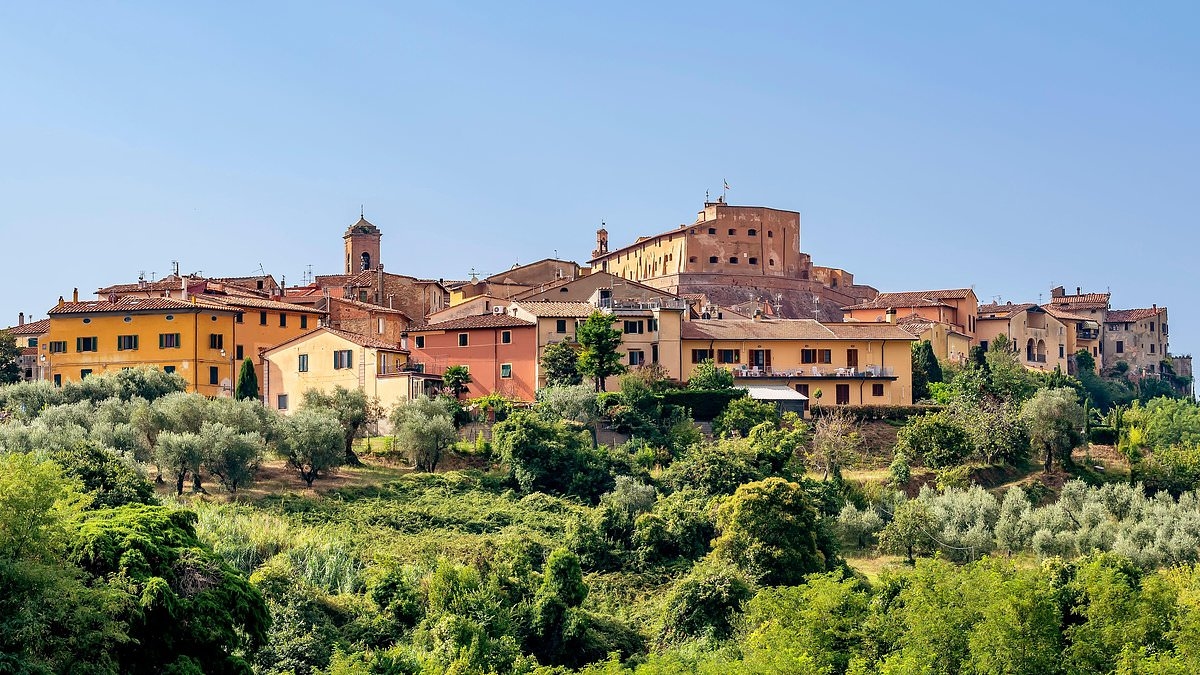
(726, 184)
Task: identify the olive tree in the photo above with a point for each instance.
(311, 442)
(424, 427)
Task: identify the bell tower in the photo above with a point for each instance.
(362, 246)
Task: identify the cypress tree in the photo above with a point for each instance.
(247, 384)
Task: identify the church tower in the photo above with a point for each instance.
(362, 246)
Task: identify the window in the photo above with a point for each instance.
(752, 232)
(214, 375)
(168, 340)
(31, 342)
(343, 358)
(712, 230)
(168, 369)
(127, 342)
(770, 234)
(634, 327)
(733, 260)
(560, 326)
(732, 231)
(464, 339)
(852, 358)
(216, 341)
(808, 356)
(505, 371)
(506, 337)
(802, 389)
(712, 258)
(691, 258)
(239, 353)
(240, 317)
(85, 344)
(362, 296)
(825, 356)
(304, 321)
(58, 380)
(302, 363)
(1062, 351)
(877, 389)
(983, 344)
(1152, 347)
(1120, 346)
(729, 356)
(1151, 326)
(636, 357)
(760, 358)
(262, 318)
(652, 324)
(842, 393)
(84, 373)
(753, 261)
(420, 342)
(170, 317)
(58, 347)
(699, 355)
(282, 320)
(654, 353)
(281, 402)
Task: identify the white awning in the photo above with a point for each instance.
(773, 392)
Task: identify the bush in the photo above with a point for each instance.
(877, 412)
(937, 439)
(551, 457)
(1103, 436)
(704, 404)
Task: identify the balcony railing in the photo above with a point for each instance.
(1088, 333)
(751, 372)
(412, 367)
(642, 305)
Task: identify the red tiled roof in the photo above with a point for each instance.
(1007, 310)
(913, 299)
(168, 283)
(367, 306)
(1131, 315)
(132, 304)
(556, 309)
(480, 321)
(256, 303)
(1082, 301)
(789, 329)
(360, 340)
(31, 328)
(1059, 313)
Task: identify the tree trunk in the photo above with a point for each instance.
(351, 458)
(197, 488)
(179, 483)
(1049, 459)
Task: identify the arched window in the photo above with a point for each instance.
(366, 260)
(752, 232)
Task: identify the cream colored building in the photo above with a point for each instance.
(1038, 339)
(326, 358)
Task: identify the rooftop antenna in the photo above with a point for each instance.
(307, 278)
(706, 197)
(141, 275)
(152, 275)
(175, 267)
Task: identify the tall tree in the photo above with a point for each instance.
(247, 383)
(10, 355)
(456, 379)
(926, 369)
(769, 530)
(599, 358)
(311, 442)
(560, 362)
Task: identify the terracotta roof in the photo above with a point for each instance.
(479, 321)
(256, 303)
(1131, 315)
(789, 329)
(1005, 311)
(914, 324)
(324, 280)
(29, 351)
(913, 299)
(1082, 301)
(31, 328)
(132, 304)
(360, 340)
(168, 283)
(556, 309)
(1059, 313)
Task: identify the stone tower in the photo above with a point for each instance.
(362, 246)
(601, 243)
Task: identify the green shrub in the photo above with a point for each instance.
(704, 404)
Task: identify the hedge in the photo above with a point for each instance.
(705, 404)
(877, 412)
(1103, 435)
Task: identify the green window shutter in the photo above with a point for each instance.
(349, 359)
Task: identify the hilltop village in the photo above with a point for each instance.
(734, 286)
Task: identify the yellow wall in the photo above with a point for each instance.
(252, 335)
(192, 358)
(283, 375)
(1023, 326)
(787, 369)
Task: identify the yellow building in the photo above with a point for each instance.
(326, 358)
(1037, 338)
(949, 345)
(1083, 333)
(836, 363)
(192, 339)
(27, 337)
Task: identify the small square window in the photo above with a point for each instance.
(84, 373)
(168, 369)
(733, 260)
(420, 342)
(753, 261)
(877, 389)
(732, 231)
(752, 232)
(282, 402)
(712, 230)
(637, 357)
(506, 337)
(505, 370)
(463, 339)
(712, 258)
(560, 326)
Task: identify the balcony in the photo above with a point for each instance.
(642, 305)
(411, 367)
(1088, 333)
(815, 372)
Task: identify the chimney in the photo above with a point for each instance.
(1058, 292)
(75, 295)
(890, 315)
(758, 315)
(1079, 290)
(21, 319)
(404, 341)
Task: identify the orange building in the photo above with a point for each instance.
(192, 339)
(28, 336)
(263, 323)
(499, 351)
(955, 307)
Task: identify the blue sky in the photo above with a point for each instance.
(1012, 147)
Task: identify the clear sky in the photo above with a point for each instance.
(1013, 147)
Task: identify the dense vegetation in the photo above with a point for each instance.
(677, 551)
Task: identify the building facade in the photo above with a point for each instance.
(1137, 337)
(499, 351)
(1038, 339)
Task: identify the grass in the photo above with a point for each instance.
(871, 564)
